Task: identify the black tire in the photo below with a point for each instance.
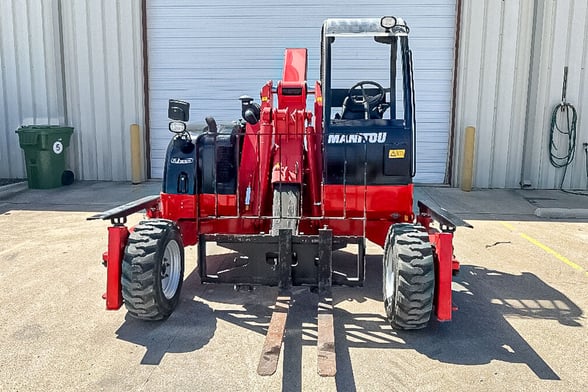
(153, 269)
(67, 177)
(286, 207)
(409, 277)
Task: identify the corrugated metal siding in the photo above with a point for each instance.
(510, 76)
(104, 83)
(31, 90)
(561, 31)
(211, 53)
(87, 74)
(494, 60)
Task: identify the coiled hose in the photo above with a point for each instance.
(571, 119)
(562, 157)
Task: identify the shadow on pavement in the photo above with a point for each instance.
(189, 328)
(479, 331)
(478, 334)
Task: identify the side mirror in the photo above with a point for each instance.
(178, 110)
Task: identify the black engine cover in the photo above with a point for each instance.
(179, 176)
(368, 152)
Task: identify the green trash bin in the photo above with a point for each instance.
(44, 147)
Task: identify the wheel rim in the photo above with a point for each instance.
(171, 265)
(389, 278)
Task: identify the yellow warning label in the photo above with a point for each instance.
(394, 154)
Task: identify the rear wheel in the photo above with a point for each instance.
(153, 269)
(409, 276)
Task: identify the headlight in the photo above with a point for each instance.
(388, 22)
(177, 126)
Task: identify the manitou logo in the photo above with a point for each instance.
(360, 137)
(180, 161)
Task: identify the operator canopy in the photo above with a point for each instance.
(375, 27)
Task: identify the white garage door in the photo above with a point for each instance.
(210, 53)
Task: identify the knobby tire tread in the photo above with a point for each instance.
(410, 255)
(139, 287)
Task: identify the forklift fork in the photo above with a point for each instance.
(326, 361)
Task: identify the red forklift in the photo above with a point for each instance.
(285, 187)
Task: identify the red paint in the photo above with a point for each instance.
(285, 146)
(445, 266)
(212, 205)
(287, 158)
(293, 80)
(442, 243)
(117, 239)
(390, 202)
(314, 154)
(189, 231)
(174, 207)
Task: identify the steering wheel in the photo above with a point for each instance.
(372, 100)
(366, 100)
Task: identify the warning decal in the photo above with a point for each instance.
(396, 154)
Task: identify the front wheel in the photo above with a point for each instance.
(153, 269)
(409, 276)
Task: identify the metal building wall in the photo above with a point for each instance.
(510, 74)
(31, 89)
(103, 63)
(77, 63)
(493, 74)
(560, 40)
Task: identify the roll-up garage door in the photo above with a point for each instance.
(210, 53)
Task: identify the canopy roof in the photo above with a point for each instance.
(363, 27)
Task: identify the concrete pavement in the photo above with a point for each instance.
(521, 325)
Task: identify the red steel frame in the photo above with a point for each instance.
(445, 267)
(117, 239)
(287, 145)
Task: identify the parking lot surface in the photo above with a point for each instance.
(522, 295)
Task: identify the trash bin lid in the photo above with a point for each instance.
(44, 128)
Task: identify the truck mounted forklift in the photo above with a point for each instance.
(285, 187)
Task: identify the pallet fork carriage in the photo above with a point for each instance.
(283, 189)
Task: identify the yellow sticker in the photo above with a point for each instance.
(394, 154)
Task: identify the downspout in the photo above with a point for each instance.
(147, 132)
(62, 59)
(452, 130)
(524, 182)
